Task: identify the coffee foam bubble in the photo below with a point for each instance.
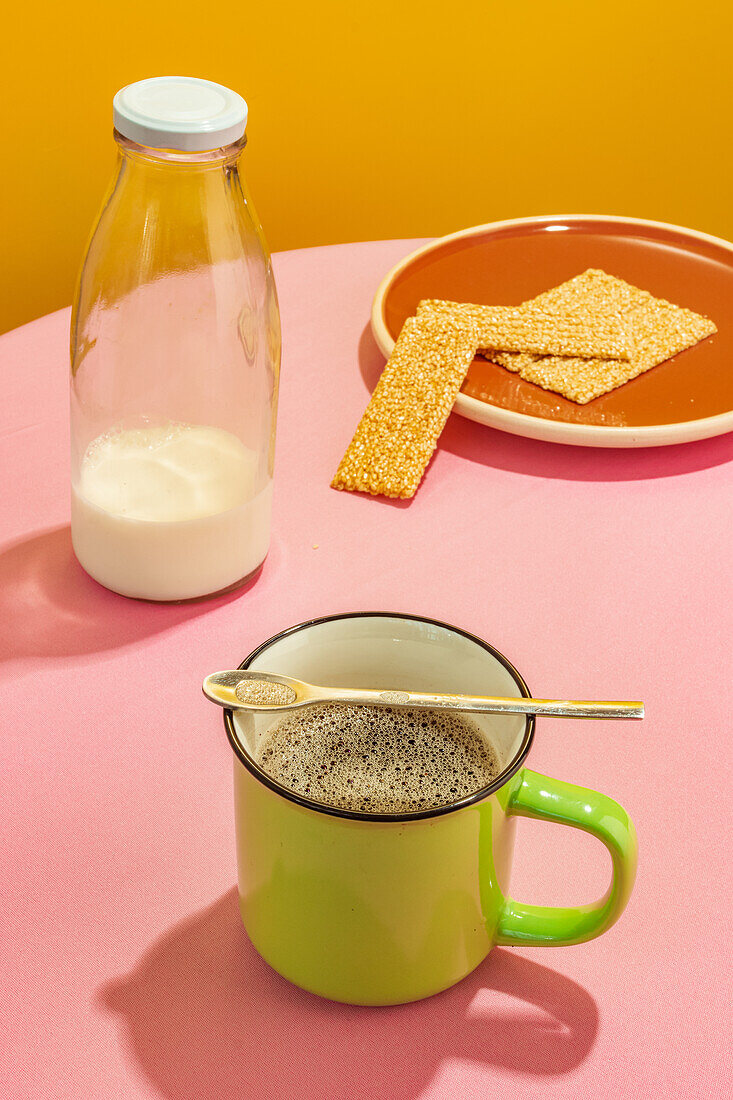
(378, 759)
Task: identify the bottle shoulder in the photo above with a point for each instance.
(198, 227)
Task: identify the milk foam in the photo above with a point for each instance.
(378, 759)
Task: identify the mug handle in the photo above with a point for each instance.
(539, 796)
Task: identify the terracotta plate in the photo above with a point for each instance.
(504, 263)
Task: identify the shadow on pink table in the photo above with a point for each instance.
(203, 1015)
(489, 447)
(49, 607)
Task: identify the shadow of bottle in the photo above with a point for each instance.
(49, 607)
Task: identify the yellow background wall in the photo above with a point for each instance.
(389, 118)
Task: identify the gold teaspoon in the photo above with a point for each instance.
(267, 691)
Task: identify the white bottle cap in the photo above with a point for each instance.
(179, 112)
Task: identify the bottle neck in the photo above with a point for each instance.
(172, 211)
(146, 157)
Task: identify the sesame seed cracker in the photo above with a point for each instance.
(656, 329)
(540, 329)
(400, 427)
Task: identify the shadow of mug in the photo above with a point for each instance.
(203, 1015)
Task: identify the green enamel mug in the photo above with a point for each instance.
(380, 909)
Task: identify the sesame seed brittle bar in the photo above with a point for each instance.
(539, 329)
(657, 330)
(399, 430)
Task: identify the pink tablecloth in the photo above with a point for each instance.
(599, 574)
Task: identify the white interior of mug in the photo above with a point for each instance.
(390, 652)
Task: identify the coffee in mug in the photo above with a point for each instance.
(378, 759)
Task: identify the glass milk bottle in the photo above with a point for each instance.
(175, 355)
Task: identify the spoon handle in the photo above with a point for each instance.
(556, 708)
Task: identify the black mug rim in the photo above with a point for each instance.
(356, 815)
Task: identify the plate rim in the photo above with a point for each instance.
(540, 427)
